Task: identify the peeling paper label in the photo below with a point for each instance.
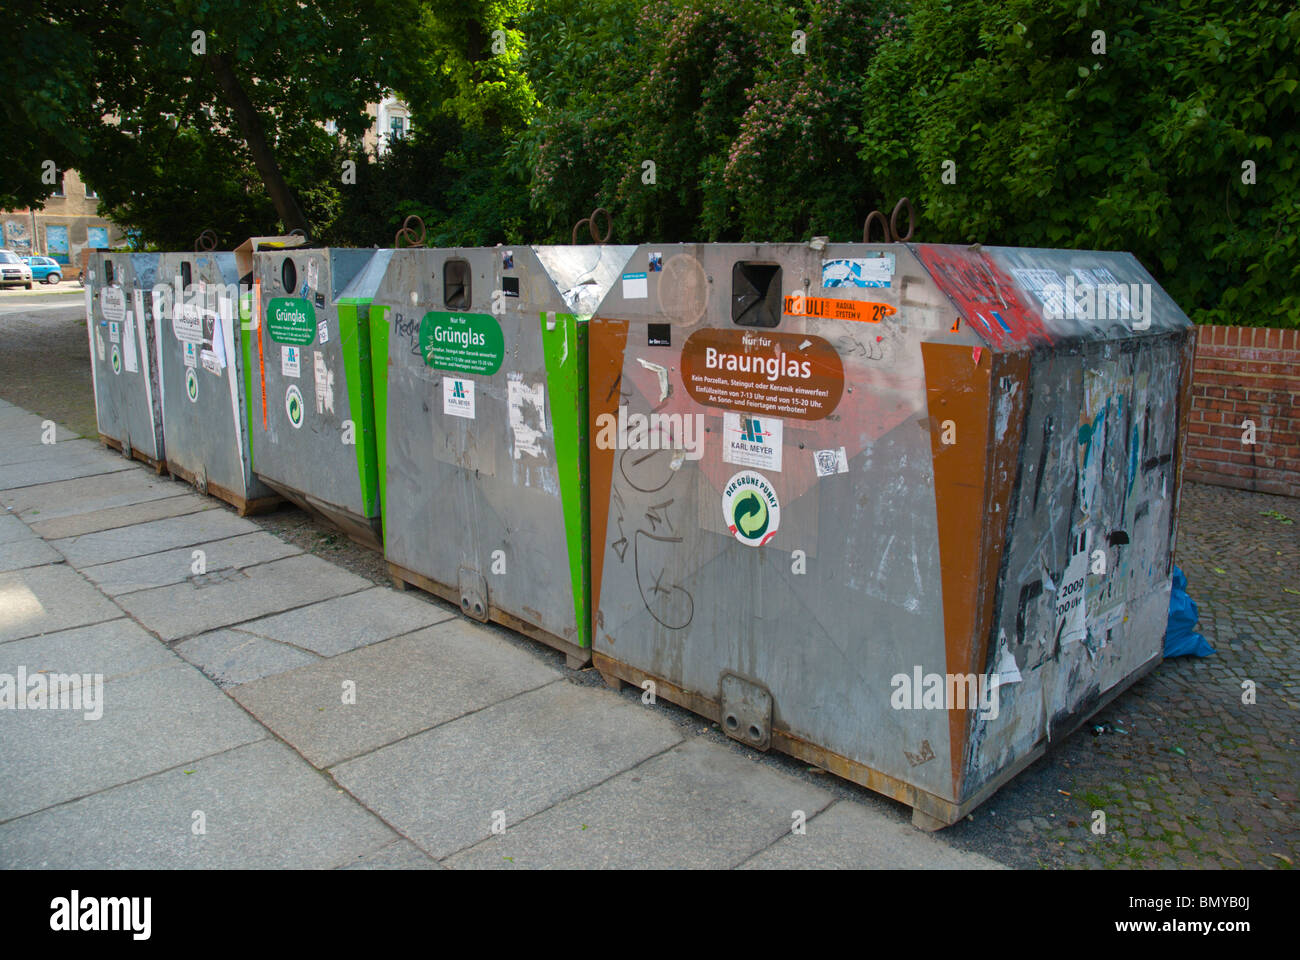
(828, 462)
(866, 271)
(527, 416)
(129, 355)
(112, 302)
(1071, 622)
(323, 331)
(324, 383)
(99, 344)
(662, 372)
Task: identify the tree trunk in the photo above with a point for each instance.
(251, 125)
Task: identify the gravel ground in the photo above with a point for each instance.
(1186, 774)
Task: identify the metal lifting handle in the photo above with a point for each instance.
(408, 232)
(205, 242)
(890, 227)
(591, 226)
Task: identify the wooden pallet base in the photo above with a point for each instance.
(575, 657)
(159, 467)
(357, 529)
(929, 811)
(244, 506)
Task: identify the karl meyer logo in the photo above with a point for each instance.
(77, 913)
(751, 430)
(53, 691)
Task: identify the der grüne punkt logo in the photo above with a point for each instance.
(750, 508)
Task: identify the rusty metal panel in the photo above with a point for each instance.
(200, 342)
(123, 356)
(314, 440)
(877, 478)
(485, 479)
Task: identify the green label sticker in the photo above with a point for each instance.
(293, 406)
(464, 342)
(116, 360)
(290, 320)
(191, 384)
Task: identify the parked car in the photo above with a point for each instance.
(44, 268)
(13, 272)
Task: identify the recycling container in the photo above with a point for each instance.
(930, 526)
(309, 383)
(123, 358)
(480, 398)
(199, 314)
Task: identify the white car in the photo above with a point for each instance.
(13, 272)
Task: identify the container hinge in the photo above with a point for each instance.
(746, 711)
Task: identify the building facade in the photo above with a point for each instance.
(68, 223)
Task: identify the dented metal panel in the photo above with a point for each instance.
(123, 357)
(200, 341)
(825, 473)
(313, 439)
(481, 420)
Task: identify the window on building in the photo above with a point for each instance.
(90, 193)
(58, 189)
(397, 128)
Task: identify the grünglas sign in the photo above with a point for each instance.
(290, 320)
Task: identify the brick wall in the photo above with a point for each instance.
(1246, 373)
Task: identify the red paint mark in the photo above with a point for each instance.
(985, 294)
(261, 363)
(975, 354)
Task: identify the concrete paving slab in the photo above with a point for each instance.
(79, 524)
(228, 597)
(402, 855)
(32, 552)
(11, 528)
(701, 805)
(154, 536)
(403, 686)
(150, 722)
(232, 657)
(118, 648)
(263, 808)
(88, 495)
(176, 566)
(61, 467)
(34, 448)
(45, 599)
(345, 623)
(852, 836)
(520, 757)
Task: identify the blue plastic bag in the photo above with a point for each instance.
(1181, 638)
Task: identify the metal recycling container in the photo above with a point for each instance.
(123, 356)
(311, 408)
(930, 524)
(480, 399)
(198, 316)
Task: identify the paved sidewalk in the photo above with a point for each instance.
(262, 707)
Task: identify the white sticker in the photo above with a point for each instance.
(750, 441)
(867, 271)
(527, 416)
(828, 462)
(1071, 623)
(313, 274)
(113, 303)
(114, 332)
(458, 397)
(90, 308)
(324, 383)
(635, 286)
(129, 355)
(323, 332)
(99, 344)
(191, 353)
(211, 363)
(187, 323)
(290, 361)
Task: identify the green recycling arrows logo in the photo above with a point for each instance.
(191, 385)
(750, 508)
(117, 360)
(293, 406)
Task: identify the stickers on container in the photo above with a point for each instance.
(116, 359)
(99, 344)
(828, 462)
(192, 384)
(114, 332)
(636, 286)
(867, 271)
(187, 323)
(138, 299)
(293, 408)
(656, 262)
(462, 342)
(191, 354)
(750, 508)
(130, 359)
(112, 303)
(507, 259)
(324, 378)
(313, 274)
(290, 362)
(323, 331)
(458, 397)
(789, 375)
(825, 308)
(1071, 622)
(291, 320)
(749, 440)
(211, 363)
